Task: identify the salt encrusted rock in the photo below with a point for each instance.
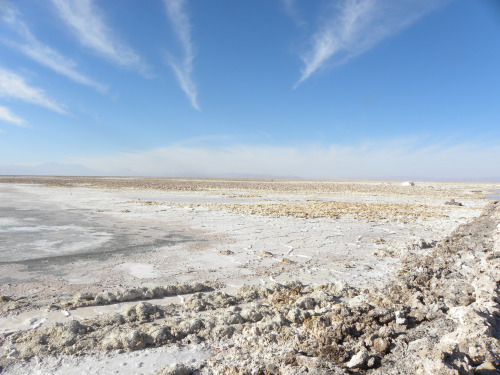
(386, 331)
(230, 318)
(113, 319)
(338, 288)
(452, 202)
(130, 340)
(188, 288)
(408, 183)
(358, 360)
(272, 368)
(251, 314)
(422, 244)
(250, 292)
(486, 368)
(372, 361)
(322, 298)
(192, 326)
(370, 339)
(400, 317)
(209, 301)
(177, 369)
(133, 294)
(192, 339)
(84, 297)
(159, 334)
(305, 303)
(65, 334)
(297, 315)
(383, 315)
(381, 345)
(272, 323)
(220, 332)
(106, 297)
(143, 311)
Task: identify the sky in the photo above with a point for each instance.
(337, 89)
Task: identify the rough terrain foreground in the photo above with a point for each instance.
(439, 314)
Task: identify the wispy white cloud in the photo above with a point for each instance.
(355, 26)
(290, 7)
(7, 116)
(87, 23)
(14, 86)
(42, 53)
(183, 70)
(384, 159)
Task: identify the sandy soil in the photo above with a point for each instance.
(63, 236)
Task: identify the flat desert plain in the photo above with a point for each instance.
(239, 276)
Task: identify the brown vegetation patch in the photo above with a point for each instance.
(319, 209)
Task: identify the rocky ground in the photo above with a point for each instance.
(438, 313)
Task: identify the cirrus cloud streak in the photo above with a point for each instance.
(41, 53)
(7, 116)
(183, 70)
(14, 86)
(355, 26)
(87, 23)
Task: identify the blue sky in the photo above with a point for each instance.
(318, 89)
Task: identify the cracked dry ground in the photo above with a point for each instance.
(439, 315)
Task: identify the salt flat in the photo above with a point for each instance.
(84, 237)
(60, 236)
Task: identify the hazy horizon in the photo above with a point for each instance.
(57, 170)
